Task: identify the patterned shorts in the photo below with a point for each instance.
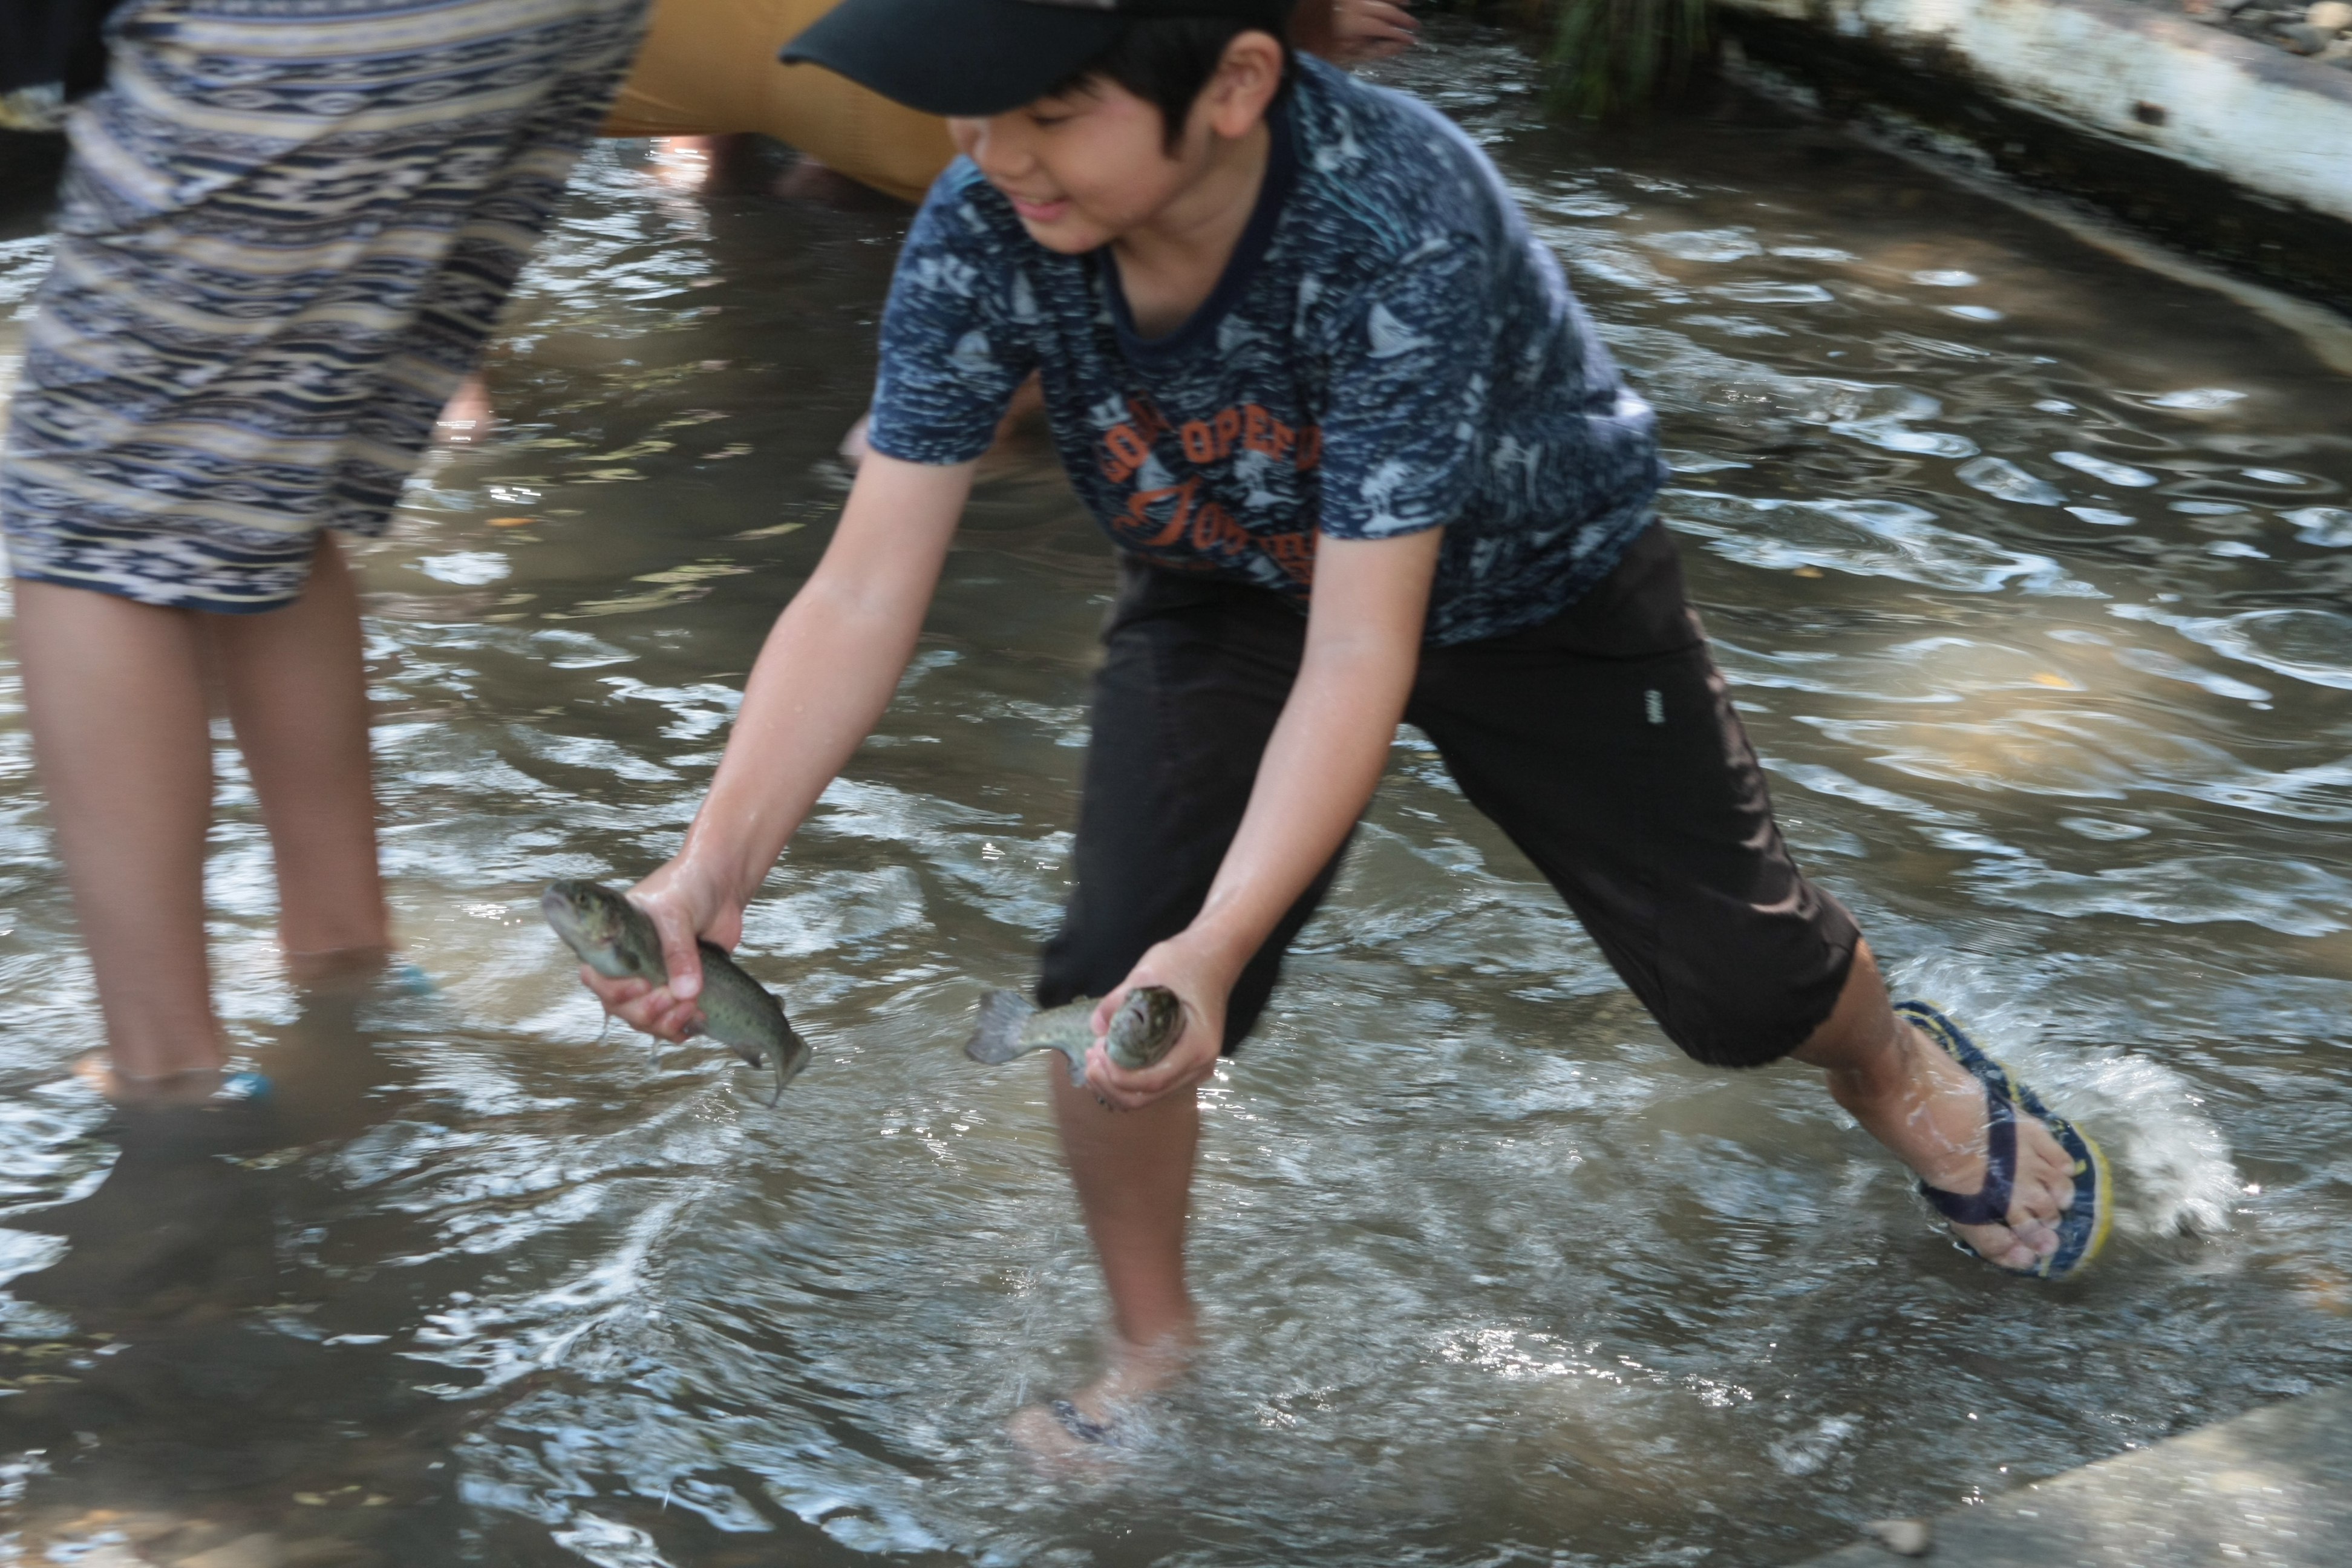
(287, 229)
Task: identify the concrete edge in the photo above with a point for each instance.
(2208, 139)
(2327, 333)
(2272, 1487)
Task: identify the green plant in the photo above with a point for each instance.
(1609, 58)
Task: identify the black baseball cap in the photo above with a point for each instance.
(986, 56)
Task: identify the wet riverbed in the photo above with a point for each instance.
(2030, 568)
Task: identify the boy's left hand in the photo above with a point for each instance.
(1202, 984)
(1363, 646)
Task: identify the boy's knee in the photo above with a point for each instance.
(1751, 1010)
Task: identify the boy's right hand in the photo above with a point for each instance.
(1204, 979)
(684, 904)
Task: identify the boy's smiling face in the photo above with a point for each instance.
(1092, 165)
(1083, 168)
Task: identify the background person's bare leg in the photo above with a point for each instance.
(465, 419)
(1930, 1113)
(1133, 1171)
(297, 687)
(118, 717)
(115, 699)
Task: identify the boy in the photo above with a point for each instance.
(1293, 335)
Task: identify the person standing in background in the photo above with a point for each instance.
(284, 235)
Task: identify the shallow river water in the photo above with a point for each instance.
(2029, 567)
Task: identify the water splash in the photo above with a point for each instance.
(2175, 1173)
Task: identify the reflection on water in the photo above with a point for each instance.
(2030, 569)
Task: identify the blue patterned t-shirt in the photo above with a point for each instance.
(1389, 349)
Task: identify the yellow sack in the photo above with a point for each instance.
(709, 68)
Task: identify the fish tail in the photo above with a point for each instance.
(996, 1034)
(792, 1058)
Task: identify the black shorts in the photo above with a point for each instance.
(1603, 742)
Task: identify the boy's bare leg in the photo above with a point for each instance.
(1913, 1098)
(1133, 1170)
(297, 687)
(115, 701)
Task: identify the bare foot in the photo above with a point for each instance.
(1079, 1428)
(689, 162)
(1937, 1122)
(465, 419)
(339, 970)
(191, 1086)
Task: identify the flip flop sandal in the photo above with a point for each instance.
(403, 978)
(2083, 1229)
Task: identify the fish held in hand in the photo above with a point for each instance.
(617, 940)
(1146, 1025)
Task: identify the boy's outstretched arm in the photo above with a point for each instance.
(823, 678)
(1327, 753)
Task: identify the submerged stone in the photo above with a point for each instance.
(1908, 1537)
(2273, 1487)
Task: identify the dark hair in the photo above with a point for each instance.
(1166, 60)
